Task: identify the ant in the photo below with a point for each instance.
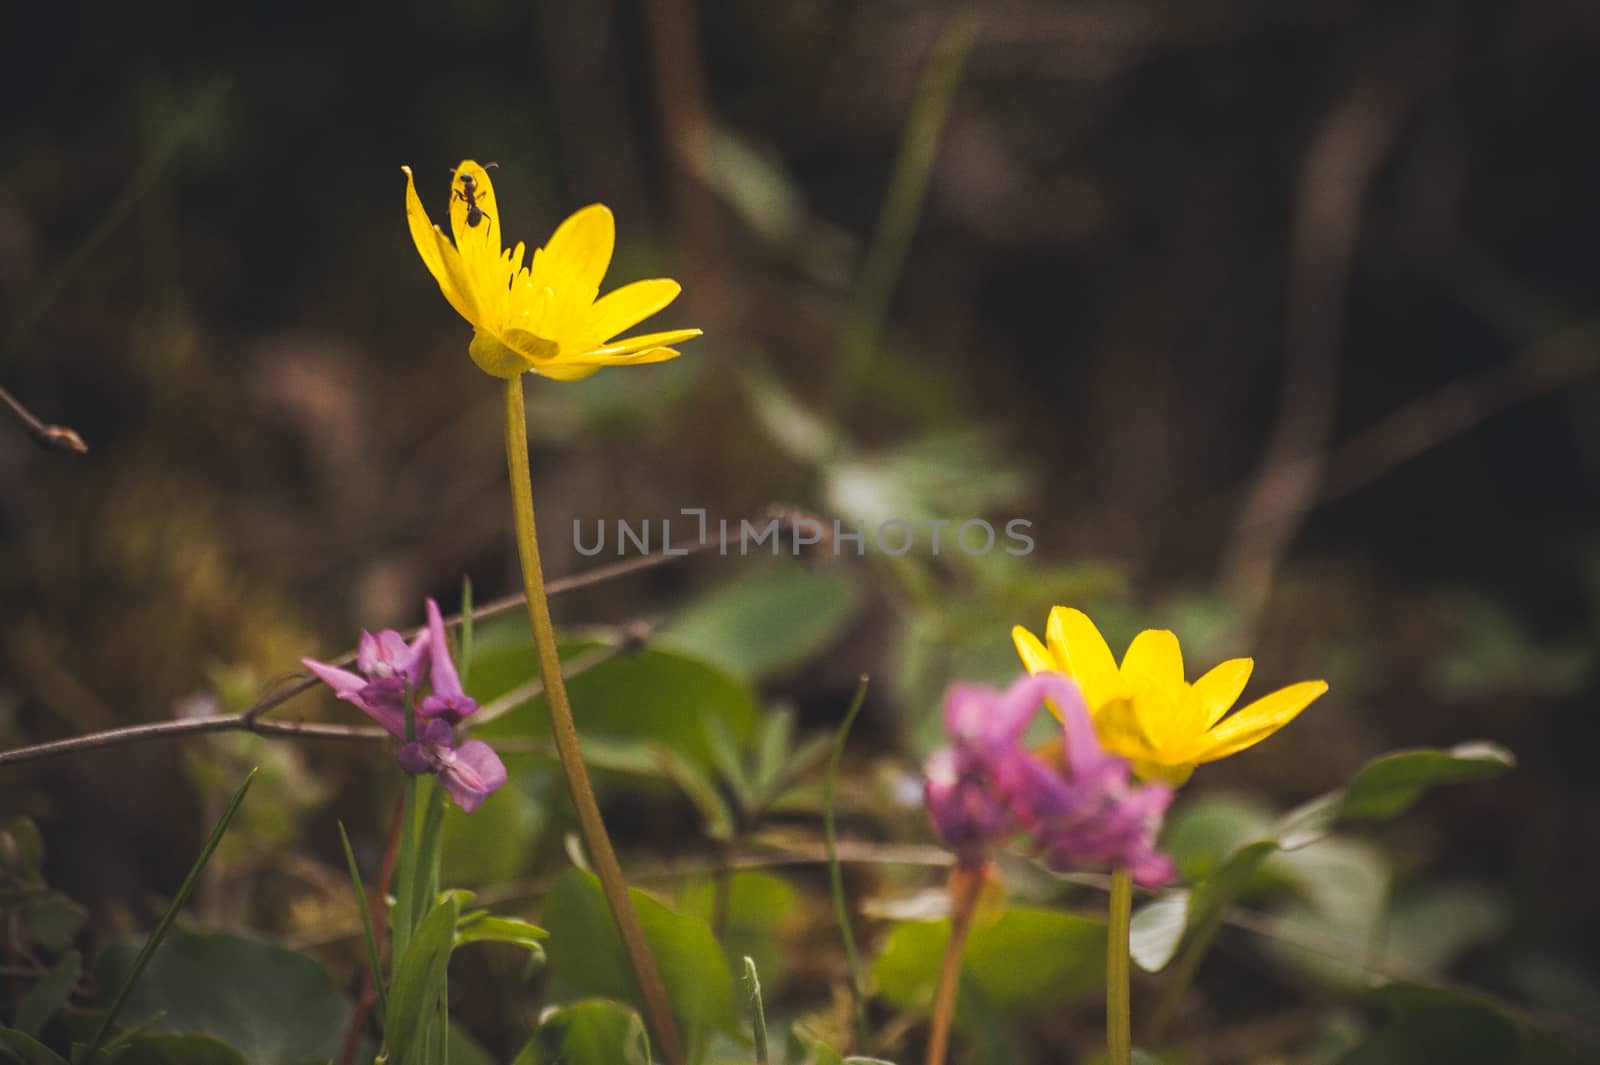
(468, 194)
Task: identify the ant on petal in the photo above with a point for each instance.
(468, 193)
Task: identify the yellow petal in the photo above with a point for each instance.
(438, 255)
(1219, 688)
(1121, 731)
(1035, 659)
(577, 254)
(1260, 719)
(557, 370)
(475, 224)
(628, 346)
(1174, 776)
(1081, 652)
(1154, 661)
(628, 306)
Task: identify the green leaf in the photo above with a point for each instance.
(586, 958)
(1223, 843)
(275, 1006)
(48, 994)
(24, 1048)
(591, 1032)
(168, 1049)
(756, 906)
(1157, 929)
(1027, 961)
(653, 696)
(417, 984)
(1387, 786)
(481, 927)
(769, 619)
(52, 920)
(1345, 883)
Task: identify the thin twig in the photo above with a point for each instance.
(306, 730)
(49, 437)
(1339, 168)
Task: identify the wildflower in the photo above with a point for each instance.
(988, 787)
(391, 675)
(1145, 711)
(542, 317)
(447, 701)
(468, 773)
(388, 667)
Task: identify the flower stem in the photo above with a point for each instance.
(652, 993)
(1119, 1040)
(966, 884)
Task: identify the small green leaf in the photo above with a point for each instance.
(48, 994)
(591, 1032)
(491, 929)
(417, 984)
(586, 957)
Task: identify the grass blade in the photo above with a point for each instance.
(366, 925)
(758, 1012)
(835, 877)
(165, 924)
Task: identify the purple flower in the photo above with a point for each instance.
(469, 773)
(448, 701)
(1092, 814)
(391, 672)
(388, 667)
(987, 786)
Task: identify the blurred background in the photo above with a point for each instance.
(1279, 321)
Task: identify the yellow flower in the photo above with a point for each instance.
(1145, 711)
(542, 317)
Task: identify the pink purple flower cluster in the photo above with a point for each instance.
(1085, 811)
(391, 675)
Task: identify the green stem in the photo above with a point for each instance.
(602, 855)
(1119, 1039)
(966, 885)
(835, 875)
(898, 222)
